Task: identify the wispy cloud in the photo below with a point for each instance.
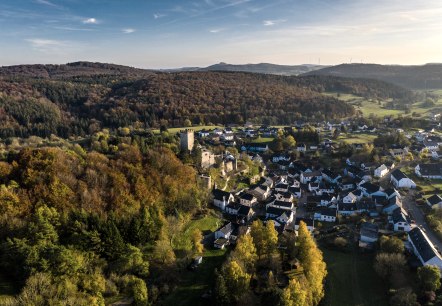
(158, 15)
(90, 21)
(214, 31)
(269, 23)
(128, 31)
(46, 2)
(46, 45)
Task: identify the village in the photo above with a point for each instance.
(357, 200)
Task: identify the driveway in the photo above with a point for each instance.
(418, 216)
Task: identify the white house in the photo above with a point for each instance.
(225, 231)
(430, 171)
(247, 199)
(307, 177)
(423, 248)
(400, 180)
(381, 171)
(222, 198)
(401, 221)
(350, 198)
(326, 215)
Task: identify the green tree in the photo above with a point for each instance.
(236, 279)
(139, 291)
(313, 263)
(386, 264)
(294, 294)
(197, 238)
(245, 252)
(429, 278)
(391, 245)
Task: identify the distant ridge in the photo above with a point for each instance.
(265, 68)
(413, 77)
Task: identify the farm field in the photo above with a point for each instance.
(351, 280)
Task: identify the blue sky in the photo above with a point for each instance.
(167, 33)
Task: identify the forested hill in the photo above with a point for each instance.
(75, 69)
(412, 77)
(78, 98)
(264, 68)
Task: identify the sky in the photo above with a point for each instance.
(171, 33)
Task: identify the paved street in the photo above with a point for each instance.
(417, 215)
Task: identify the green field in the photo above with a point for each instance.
(352, 281)
(426, 186)
(7, 288)
(195, 128)
(195, 283)
(369, 106)
(358, 138)
(262, 140)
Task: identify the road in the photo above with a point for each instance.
(418, 216)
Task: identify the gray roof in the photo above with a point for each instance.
(422, 244)
(398, 174)
(434, 199)
(219, 194)
(369, 230)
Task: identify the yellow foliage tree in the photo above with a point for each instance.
(294, 294)
(313, 263)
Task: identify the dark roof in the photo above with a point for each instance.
(307, 221)
(430, 169)
(346, 207)
(247, 196)
(390, 191)
(434, 199)
(400, 216)
(219, 194)
(233, 205)
(371, 188)
(283, 204)
(328, 212)
(422, 244)
(398, 174)
(244, 210)
(275, 211)
(369, 230)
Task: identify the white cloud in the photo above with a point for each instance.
(216, 30)
(46, 2)
(269, 23)
(128, 30)
(90, 21)
(46, 45)
(158, 16)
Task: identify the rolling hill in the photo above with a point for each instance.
(427, 76)
(78, 98)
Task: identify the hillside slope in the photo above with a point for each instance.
(413, 77)
(77, 99)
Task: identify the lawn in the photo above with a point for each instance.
(358, 138)
(195, 128)
(195, 283)
(352, 281)
(262, 140)
(426, 186)
(7, 288)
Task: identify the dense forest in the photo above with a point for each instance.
(81, 98)
(427, 76)
(77, 227)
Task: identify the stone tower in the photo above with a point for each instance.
(187, 139)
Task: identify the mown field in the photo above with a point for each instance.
(352, 281)
(193, 284)
(369, 106)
